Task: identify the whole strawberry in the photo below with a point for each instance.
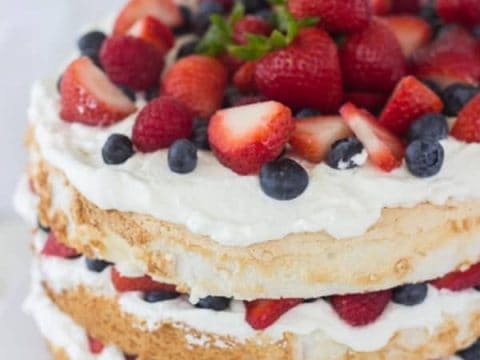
(304, 74)
(465, 12)
(467, 126)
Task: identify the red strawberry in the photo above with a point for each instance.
(361, 309)
(55, 248)
(381, 7)
(372, 60)
(95, 345)
(153, 31)
(246, 137)
(305, 74)
(249, 99)
(412, 32)
(160, 123)
(164, 10)
(88, 96)
(459, 280)
(263, 313)
(406, 6)
(142, 283)
(334, 15)
(383, 148)
(231, 63)
(132, 62)
(467, 126)
(313, 137)
(250, 25)
(373, 102)
(244, 78)
(410, 100)
(198, 82)
(465, 12)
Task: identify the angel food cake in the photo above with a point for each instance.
(249, 180)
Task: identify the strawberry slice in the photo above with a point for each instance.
(155, 32)
(459, 280)
(142, 283)
(361, 309)
(412, 32)
(165, 11)
(263, 313)
(465, 12)
(467, 126)
(381, 7)
(383, 148)
(244, 78)
(88, 96)
(55, 248)
(245, 137)
(95, 345)
(410, 100)
(313, 137)
(373, 102)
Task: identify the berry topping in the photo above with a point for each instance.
(95, 345)
(407, 6)
(465, 12)
(200, 134)
(182, 157)
(373, 102)
(429, 126)
(154, 32)
(307, 113)
(201, 19)
(346, 154)
(410, 100)
(250, 25)
(381, 7)
(283, 179)
(383, 148)
(471, 353)
(263, 313)
(361, 309)
(117, 149)
(88, 97)
(313, 137)
(456, 96)
(424, 157)
(131, 61)
(97, 265)
(160, 123)
(217, 303)
(143, 283)
(244, 78)
(459, 280)
(467, 126)
(197, 81)
(55, 248)
(410, 294)
(246, 137)
(90, 45)
(157, 296)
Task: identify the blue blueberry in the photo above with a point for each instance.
(42, 227)
(283, 179)
(201, 19)
(128, 92)
(342, 153)
(152, 93)
(200, 134)
(424, 157)
(90, 45)
(471, 353)
(117, 149)
(410, 294)
(96, 265)
(430, 126)
(217, 303)
(186, 26)
(187, 49)
(157, 296)
(182, 157)
(306, 113)
(456, 96)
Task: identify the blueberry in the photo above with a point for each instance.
(157, 296)
(471, 353)
(90, 45)
(97, 265)
(59, 83)
(187, 49)
(42, 227)
(231, 96)
(424, 157)
(217, 303)
(200, 134)
(252, 6)
(186, 26)
(128, 92)
(410, 294)
(433, 86)
(306, 113)
(117, 149)
(343, 152)
(430, 126)
(201, 20)
(456, 96)
(182, 157)
(283, 179)
(152, 93)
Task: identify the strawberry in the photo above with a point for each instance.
(263, 313)
(412, 32)
(55, 248)
(95, 345)
(410, 100)
(165, 11)
(381, 7)
(153, 31)
(467, 126)
(383, 148)
(304, 74)
(335, 16)
(361, 309)
(142, 283)
(245, 137)
(372, 60)
(250, 25)
(131, 61)
(459, 280)
(88, 96)
(244, 78)
(231, 63)
(406, 6)
(373, 102)
(198, 82)
(465, 12)
(313, 137)
(160, 123)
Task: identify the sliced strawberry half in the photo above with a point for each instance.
(459, 280)
(89, 97)
(361, 309)
(95, 345)
(154, 32)
(164, 10)
(313, 137)
(410, 100)
(467, 126)
(263, 313)
(411, 31)
(383, 148)
(55, 248)
(143, 283)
